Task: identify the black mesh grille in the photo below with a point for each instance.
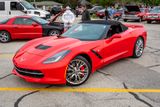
(29, 73)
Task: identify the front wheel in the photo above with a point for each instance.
(125, 20)
(78, 71)
(54, 33)
(138, 48)
(149, 22)
(4, 36)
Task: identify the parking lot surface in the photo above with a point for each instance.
(129, 73)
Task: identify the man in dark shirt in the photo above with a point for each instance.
(107, 13)
(85, 14)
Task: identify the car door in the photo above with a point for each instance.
(115, 45)
(26, 28)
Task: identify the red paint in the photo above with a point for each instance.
(21, 31)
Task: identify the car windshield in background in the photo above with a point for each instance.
(27, 5)
(40, 20)
(87, 32)
(4, 21)
(155, 11)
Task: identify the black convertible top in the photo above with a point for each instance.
(105, 22)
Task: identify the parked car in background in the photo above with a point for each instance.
(95, 9)
(11, 8)
(101, 13)
(133, 12)
(27, 27)
(118, 14)
(153, 15)
(55, 10)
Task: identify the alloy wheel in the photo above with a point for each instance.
(139, 47)
(77, 72)
(4, 36)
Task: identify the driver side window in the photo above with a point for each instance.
(114, 29)
(23, 21)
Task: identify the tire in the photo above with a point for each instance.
(5, 36)
(54, 32)
(101, 17)
(75, 76)
(149, 22)
(140, 20)
(138, 48)
(125, 20)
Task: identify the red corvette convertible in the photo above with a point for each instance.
(73, 56)
(27, 27)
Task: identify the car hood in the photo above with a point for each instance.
(49, 46)
(41, 11)
(133, 8)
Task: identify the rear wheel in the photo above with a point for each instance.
(138, 48)
(78, 71)
(101, 17)
(125, 20)
(149, 22)
(4, 36)
(140, 20)
(54, 32)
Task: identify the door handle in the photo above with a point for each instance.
(15, 27)
(9, 12)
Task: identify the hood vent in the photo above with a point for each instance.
(42, 47)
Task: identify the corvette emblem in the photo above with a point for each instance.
(22, 59)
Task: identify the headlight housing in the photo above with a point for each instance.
(57, 57)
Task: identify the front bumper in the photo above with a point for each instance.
(152, 19)
(50, 74)
(130, 17)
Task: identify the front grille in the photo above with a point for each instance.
(29, 73)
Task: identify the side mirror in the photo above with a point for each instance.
(34, 24)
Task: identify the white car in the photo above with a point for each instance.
(11, 8)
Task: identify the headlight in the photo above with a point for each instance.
(57, 57)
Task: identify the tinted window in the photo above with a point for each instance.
(2, 6)
(4, 21)
(23, 21)
(16, 6)
(27, 5)
(87, 31)
(40, 20)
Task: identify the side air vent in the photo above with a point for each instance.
(42, 47)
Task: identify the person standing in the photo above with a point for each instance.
(85, 14)
(107, 13)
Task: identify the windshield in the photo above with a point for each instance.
(40, 20)
(27, 5)
(155, 11)
(4, 21)
(86, 32)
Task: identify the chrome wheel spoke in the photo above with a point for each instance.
(3, 37)
(139, 47)
(76, 75)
